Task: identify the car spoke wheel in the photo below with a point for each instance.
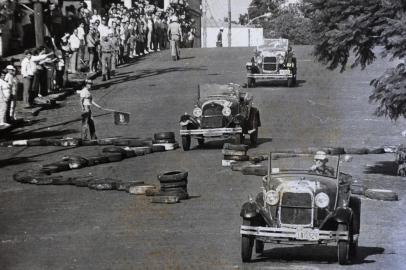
(239, 138)
(186, 142)
(259, 246)
(200, 142)
(343, 247)
(251, 82)
(247, 243)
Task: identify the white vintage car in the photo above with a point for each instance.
(273, 61)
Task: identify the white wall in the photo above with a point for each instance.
(239, 36)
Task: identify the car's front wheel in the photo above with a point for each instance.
(251, 82)
(186, 142)
(259, 246)
(247, 243)
(290, 82)
(343, 247)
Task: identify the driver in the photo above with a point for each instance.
(320, 166)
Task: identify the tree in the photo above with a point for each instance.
(260, 7)
(359, 26)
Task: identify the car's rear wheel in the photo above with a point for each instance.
(259, 246)
(355, 205)
(247, 244)
(239, 138)
(251, 82)
(290, 82)
(254, 135)
(200, 142)
(186, 142)
(343, 247)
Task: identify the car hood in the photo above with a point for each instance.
(270, 53)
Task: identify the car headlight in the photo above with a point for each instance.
(322, 200)
(272, 197)
(226, 111)
(197, 112)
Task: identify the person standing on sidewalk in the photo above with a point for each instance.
(27, 72)
(175, 37)
(219, 42)
(91, 47)
(11, 79)
(4, 99)
(107, 49)
(86, 101)
(74, 44)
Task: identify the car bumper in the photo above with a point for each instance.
(294, 234)
(268, 76)
(212, 132)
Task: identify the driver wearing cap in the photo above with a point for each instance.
(320, 166)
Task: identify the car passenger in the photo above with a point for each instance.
(320, 166)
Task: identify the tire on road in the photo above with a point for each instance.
(55, 167)
(102, 184)
(24, 176)
(76, 162)
(239, 166)
(158, 148)
(179, 184)
(164, 136)
(114, 157)
(114, 149)
(228, 152)
(381, 194)
(172, 176)
(89, 142)
(165, 199)
(125, 186)
(236, 158)
(81, 181)
(236, 147)
(376, 150)
(96, 160)
(163, 141)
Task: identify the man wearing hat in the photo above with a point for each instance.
(175, 37)
(11, 79)
(320, 166)
(107, 49)
(86, 101)
(219, 42)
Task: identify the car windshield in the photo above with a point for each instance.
(275, 44)
(224, 90)
(317, 164)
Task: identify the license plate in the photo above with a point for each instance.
(307, 234)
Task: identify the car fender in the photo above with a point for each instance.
(343, 215)
(249, 210)
(188, 121)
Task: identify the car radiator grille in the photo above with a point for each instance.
(270, 64)
(296, 208)
(212, 116)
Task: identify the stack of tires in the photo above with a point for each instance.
(174, 183)
(234, 153)
(165, 141)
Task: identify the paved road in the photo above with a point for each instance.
(65, 227)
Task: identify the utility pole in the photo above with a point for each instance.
(204, 26)
(229, 23)
(38, 23)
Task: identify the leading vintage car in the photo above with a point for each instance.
(299, 206)
(273, 61)
(220, 111)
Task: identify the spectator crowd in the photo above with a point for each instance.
(81, 40)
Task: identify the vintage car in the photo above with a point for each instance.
(300, 206)
(272, 61)
(220, 111)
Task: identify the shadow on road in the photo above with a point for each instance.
(383, 167)
(316, 253)
(145, 74)
(218, 144)
(38, 134)
(279, 83)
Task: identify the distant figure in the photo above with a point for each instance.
(175, 37)
(320, 166)
(219, 42)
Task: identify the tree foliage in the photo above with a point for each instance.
(260, 7)
(346, 27)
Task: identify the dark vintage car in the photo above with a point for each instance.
(272, 61)
(300, 206)
(220, 111)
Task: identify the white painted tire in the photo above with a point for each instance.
(140, 190)
(381, 194)
(227, 163)
(20, 143)
(168, 146)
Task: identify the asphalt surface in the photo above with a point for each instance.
(66, 227)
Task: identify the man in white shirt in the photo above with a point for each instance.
(27, 72)
(82, 38)
(4, 98)
(11, 79)
(74, 43)
(104, 30)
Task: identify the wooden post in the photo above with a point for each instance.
(38, 24)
